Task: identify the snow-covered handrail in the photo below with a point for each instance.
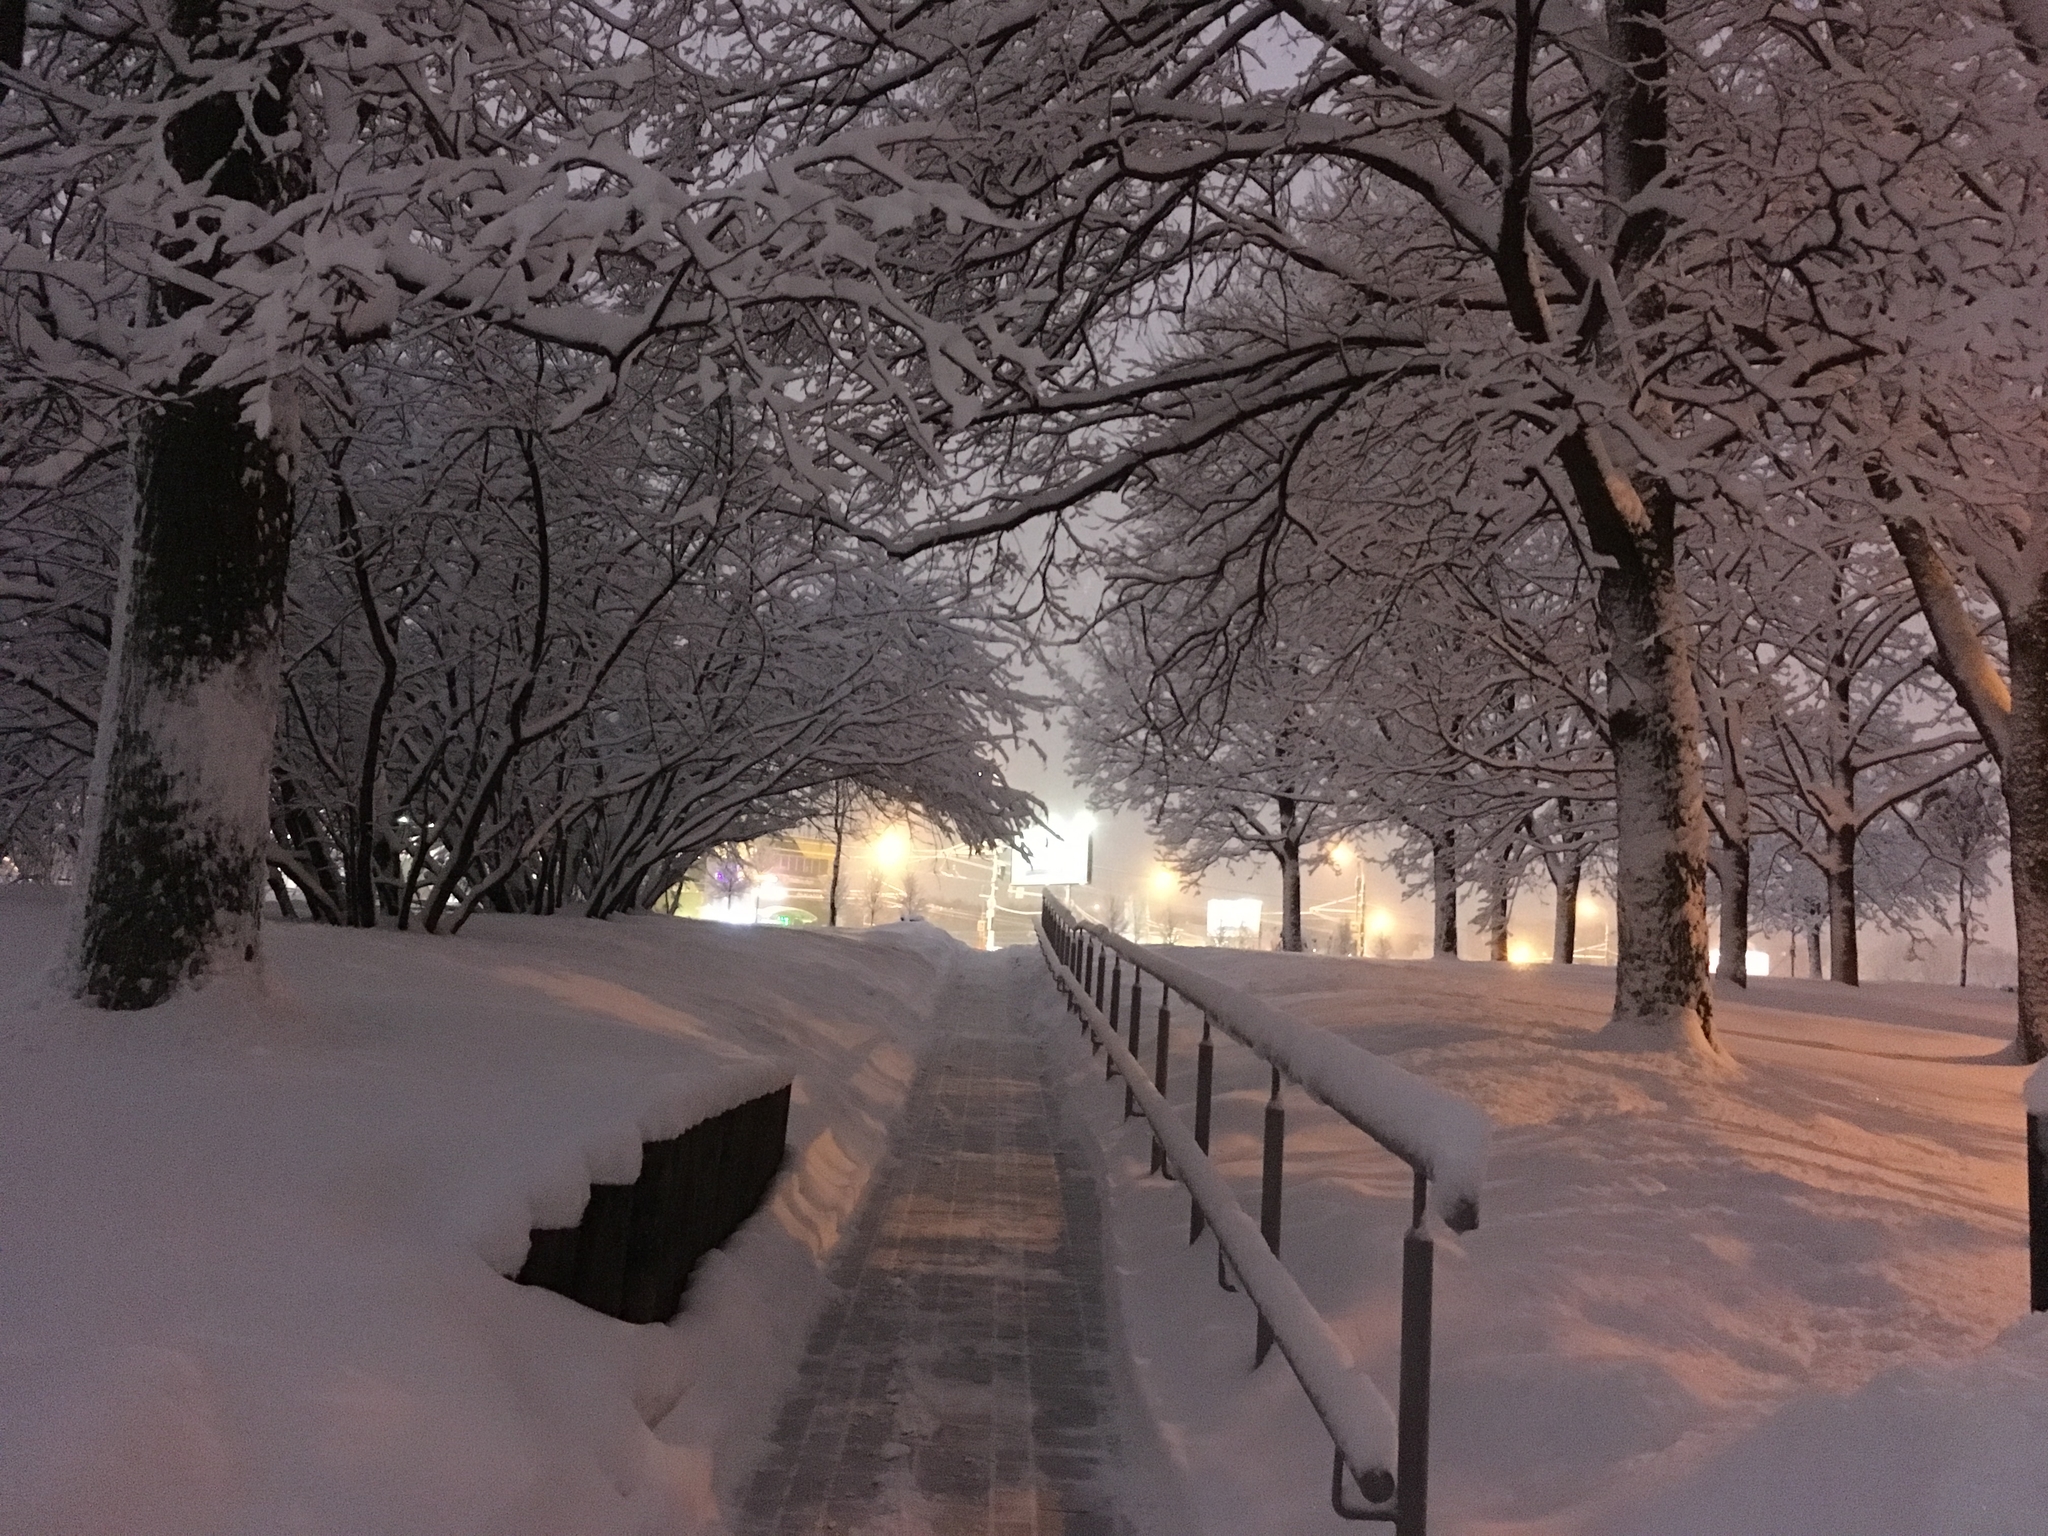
(1438, 1134)
(1356, 1413)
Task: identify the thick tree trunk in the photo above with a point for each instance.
(180, 812)
(1842, 905)
(2024, 774)
(1731, 870)
(1661, 992)
(1564, 929)
(1812, 933)
(1443, 872)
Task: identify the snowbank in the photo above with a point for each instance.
(1702, 1302)
(253, 1273)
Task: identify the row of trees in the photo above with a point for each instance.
(1454, 706)
(1578, 302)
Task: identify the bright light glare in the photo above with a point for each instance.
(1164, 881)
(1589, 906)
(1521, 952)
(1378, 921)
(1341, 855)
(891, 849)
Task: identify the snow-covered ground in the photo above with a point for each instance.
(253, 1245)
(1784, 1297)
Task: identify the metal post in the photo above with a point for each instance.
(1205, 1079)
(1411, 1465)
(1164, 1025)
(1116, 992)
(2037, 1214)
(1269, 1200)
(1137, 1027)
(1096, 950)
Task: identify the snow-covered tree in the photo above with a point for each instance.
(206, 207)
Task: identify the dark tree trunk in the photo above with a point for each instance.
(1731, 869)
(1564, 928)
(1842, 905)
(1812, 932)
(181, 812)
(1289, 855)
(1660, 903)
(838, 854)
(2024, 774)
(1497, 902)
(180, 806)
(1443, 873)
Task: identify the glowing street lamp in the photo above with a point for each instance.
(1164, 881)
(891, 850)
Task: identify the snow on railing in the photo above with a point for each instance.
(1441, 1137)
(1438, 1134)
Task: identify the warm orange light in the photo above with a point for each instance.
(891, 850)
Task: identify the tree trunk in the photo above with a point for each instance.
(2024, 774)
(1497, 901)
(1564, 930)
(1731, 870)
(1963, 918)
(1290, 877)
(838, 853)
(1443, 870)
(180, 809)
(1661, 990)
(1812, 932)
(1842, 905)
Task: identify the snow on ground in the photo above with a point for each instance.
(1762, 1300)
(253, 1244)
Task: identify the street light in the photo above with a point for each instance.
(891, 850)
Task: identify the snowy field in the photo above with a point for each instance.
(1786, 1298)
(252, 1247)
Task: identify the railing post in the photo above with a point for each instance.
(1205, 1080)
(1095, 950)
(1159, 1047)
(1137, 1025)
(1418, 1277)
(2037, 1215)
(1116, 993)
(1269, 1200)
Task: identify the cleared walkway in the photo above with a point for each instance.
(959, 1383)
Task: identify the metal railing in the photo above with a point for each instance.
(1441, 1138)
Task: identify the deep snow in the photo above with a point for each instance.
(1785, 1296)
(253, 1244)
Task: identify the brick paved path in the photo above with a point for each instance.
(958, 1383)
